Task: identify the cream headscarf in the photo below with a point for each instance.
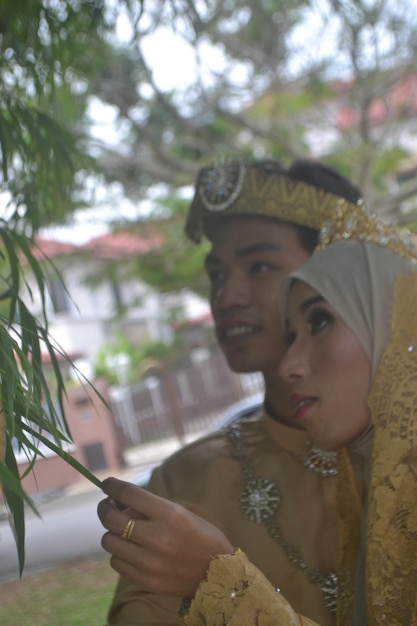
(374, 290)
(357, 279)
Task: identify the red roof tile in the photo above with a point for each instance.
(122, 245)
(51, 249)
(401, 98)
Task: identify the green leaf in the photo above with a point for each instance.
(65, 456)
(15, 498)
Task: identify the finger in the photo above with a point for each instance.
(112, 517)
(153, 581)
(126, 550)
(128, 571)
(109, 515)
(145, 578)
(136, 498)
(134, 563)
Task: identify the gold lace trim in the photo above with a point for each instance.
(236, 593)
(349, 525)
(392, 519)
(391, 542)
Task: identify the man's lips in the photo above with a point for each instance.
(302, 404)
(236, 331)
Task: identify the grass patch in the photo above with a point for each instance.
(72, 594)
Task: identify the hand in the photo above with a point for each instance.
(170, 548)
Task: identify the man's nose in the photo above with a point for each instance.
(234, 292)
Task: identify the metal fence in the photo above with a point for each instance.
(179, 402)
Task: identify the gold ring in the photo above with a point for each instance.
(128, 529)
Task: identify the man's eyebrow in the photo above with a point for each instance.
(309, 302)
(261, 246)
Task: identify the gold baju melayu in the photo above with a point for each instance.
(212, 478)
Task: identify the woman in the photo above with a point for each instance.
(370, 293)
(352, 366)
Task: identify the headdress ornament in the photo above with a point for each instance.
(238, 188)
(355, 222)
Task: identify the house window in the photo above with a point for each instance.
(95, 457)
(59, 296)
(25, 453)
(117, 294)
(83, 403)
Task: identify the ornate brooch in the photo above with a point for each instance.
(260, 499)
(221, 185)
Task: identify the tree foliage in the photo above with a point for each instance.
(327, 79)
(176, 263)
(322, 78)
(45, 47)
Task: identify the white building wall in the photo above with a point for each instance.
(91, 320)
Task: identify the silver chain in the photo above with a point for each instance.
(259, 501)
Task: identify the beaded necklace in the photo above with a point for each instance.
(260, 499)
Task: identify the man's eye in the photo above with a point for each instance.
(318, 320)
(215, 276)
(261, 267)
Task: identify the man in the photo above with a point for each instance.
(269, 491)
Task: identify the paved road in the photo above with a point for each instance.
(69, 528)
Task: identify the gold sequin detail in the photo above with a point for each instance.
(354, 222)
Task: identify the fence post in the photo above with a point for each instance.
(172, 397)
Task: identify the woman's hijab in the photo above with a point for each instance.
(357, 279)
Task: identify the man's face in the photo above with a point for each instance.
(248, 260)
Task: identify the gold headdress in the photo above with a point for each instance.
(237, 188)
(355, 222)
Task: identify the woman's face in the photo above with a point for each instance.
(327, 369)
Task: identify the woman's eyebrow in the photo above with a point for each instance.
(309, 302)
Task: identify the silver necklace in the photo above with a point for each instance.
(314, 458)
(259, 501)
(319, 461)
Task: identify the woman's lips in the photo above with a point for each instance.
(302, 404)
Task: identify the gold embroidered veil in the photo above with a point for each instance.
(374, 290)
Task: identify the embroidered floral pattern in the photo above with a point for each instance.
(392, 518)
(235, 593)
